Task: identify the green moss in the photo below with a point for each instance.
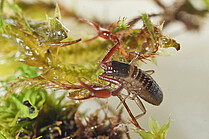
(156, 132)
(149, 26)
(120, 26)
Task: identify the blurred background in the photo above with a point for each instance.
(183, 76)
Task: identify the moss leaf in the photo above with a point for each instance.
(144, 134)
(1, 17)
(154, 125)
(57, 12)
(15, 8)
(169, 42)
(156, 132)
(2, 136)
(24, 110)
(120, 26)
(164, 129)
(149, 26)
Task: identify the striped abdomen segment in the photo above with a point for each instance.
(150, 92)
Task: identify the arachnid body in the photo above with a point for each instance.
(135, 81)
(138, 83)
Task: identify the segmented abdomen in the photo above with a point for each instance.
(150, 91)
